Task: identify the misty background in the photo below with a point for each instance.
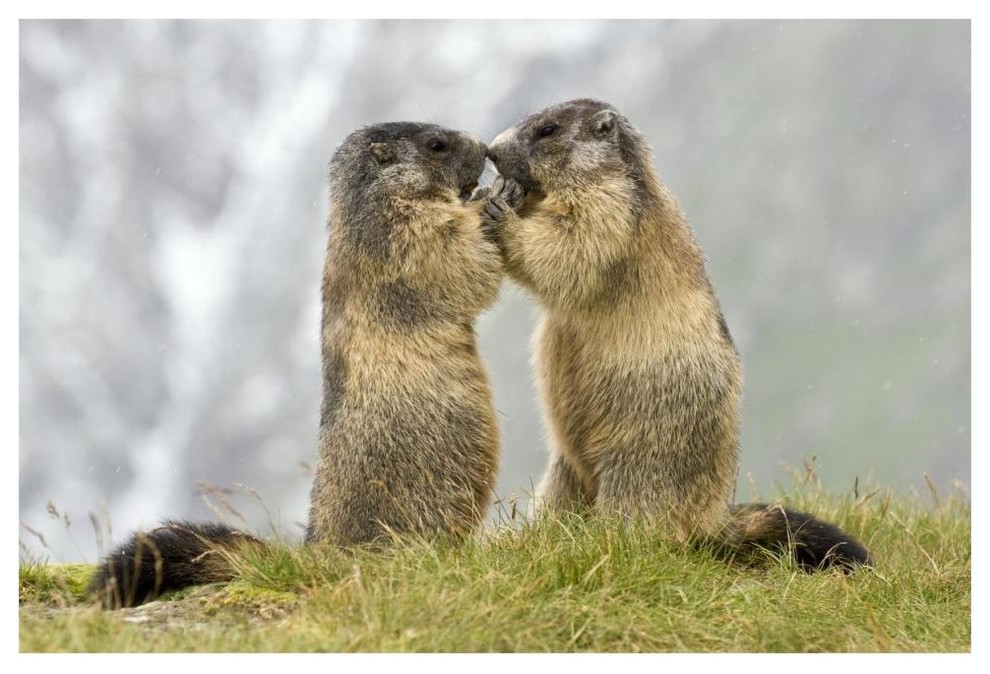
(172, 229)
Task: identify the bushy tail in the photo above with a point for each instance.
(754, 527)
(170, 557)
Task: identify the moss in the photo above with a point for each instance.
(59, 585)
(255, 600)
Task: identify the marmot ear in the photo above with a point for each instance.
(603, 123)
(381, 152)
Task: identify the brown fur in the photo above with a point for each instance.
(408, 441)
(408, 436)
(640, 380)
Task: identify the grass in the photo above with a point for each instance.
(553, 586)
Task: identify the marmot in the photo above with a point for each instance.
(640, 379)
(408, 440)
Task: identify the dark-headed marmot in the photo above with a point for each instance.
(640, 379)
(408, 439)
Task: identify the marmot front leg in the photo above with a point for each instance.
(501, 202)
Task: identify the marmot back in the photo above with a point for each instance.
(641, 382)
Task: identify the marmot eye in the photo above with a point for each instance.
(437, 145)
(548, 130)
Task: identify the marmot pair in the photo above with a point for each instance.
(640, 379)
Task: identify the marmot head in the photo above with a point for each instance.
(379, 167)
(402, 236)
(569, 145)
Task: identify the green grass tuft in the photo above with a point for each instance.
(60, 586)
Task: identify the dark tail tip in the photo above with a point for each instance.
(814, 544)
(819, 545)
(170, 557)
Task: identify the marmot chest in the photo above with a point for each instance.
(670, 398)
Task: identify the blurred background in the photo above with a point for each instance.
(172, 228)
